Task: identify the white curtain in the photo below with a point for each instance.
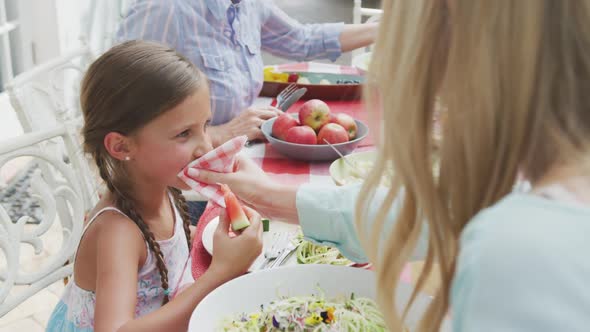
(96, 22)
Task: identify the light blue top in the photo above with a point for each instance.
(523, 264)
(230, 55)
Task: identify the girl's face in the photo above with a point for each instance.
(163, 147)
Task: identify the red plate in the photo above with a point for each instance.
(351, 90)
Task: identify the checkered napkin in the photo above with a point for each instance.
(219, 160)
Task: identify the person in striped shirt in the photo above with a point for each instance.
(225, 39)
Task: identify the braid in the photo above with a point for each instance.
(123, 202)
(181, 205)
(126, 205)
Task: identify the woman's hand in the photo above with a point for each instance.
(232, 256)
(255, 188)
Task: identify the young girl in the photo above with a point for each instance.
(146, 110)
(515, 76)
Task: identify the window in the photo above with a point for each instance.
(15, 47)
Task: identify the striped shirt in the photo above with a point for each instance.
(200, 30)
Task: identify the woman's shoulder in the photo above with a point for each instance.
(522, 218)
(525, 235)
(520, 257)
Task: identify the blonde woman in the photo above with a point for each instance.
(515, 76)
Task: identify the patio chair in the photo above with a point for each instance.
(63, 207)
(48, 95)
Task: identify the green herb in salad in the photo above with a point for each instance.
(265, 225)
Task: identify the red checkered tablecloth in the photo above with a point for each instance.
(280, 168)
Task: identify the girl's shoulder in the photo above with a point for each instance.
(111, 221)
(108, 235)
(107, 225)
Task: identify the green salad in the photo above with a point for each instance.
(310, 313)
(310, 253)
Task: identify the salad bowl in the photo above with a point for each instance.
(248, 293)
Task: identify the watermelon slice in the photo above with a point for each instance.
(235, 212)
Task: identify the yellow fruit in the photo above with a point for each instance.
(270, 75)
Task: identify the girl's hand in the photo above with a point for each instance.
(233, 257)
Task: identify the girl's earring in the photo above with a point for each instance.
(127, 158)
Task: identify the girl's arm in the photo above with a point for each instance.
(175, 315)
(120, 246)
(119, 250)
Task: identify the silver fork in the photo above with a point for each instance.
(285, 94)
(278, 243)
(285, 253)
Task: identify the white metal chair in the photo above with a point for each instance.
(63, 205)
(48, 95)
(358, 13)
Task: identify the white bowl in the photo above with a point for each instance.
(342, 173)
(247, 293)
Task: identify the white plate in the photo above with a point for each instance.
(248, 292)
(343, 174)
(275, 226)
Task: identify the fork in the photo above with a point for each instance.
(281, 98)
(278, 243)
(285, 253)
(285, 94)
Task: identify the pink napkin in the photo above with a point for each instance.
(219, 160)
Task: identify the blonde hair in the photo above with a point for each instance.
(514, 75)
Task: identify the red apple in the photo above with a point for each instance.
(314, 113)
(347, 122)
(282, 125)
(332, 118)
(301, 135)
(333, 133)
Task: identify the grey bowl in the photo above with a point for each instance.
(318, 152)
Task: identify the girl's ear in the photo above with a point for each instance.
(118, 146)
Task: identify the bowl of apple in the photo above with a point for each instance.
(302, 135)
